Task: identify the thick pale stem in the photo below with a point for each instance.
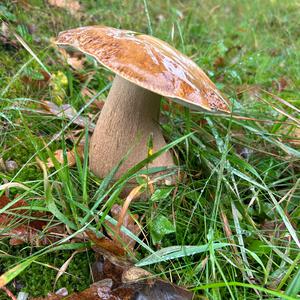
(129, 116)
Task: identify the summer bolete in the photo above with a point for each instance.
(146, 68)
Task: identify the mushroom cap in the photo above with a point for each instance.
(148, 62)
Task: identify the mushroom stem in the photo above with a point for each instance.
(130, 115)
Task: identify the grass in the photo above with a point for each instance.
(235, 215)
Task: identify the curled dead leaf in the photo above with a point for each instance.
(71, 157)
(119, 237)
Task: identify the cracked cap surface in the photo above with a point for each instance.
(149, 63)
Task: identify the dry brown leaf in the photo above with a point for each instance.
(135, 274)
(119, 237)
(137, 284)
(76, 62)
(219, 62)
(37, 83)
(67, 111)
(71, 158)
(31, 232)
(71, 135)
(72, 6)
(281, 84)
(106, 247)
(74, 59)
(5, 218)
(125, 279)
(87, 93)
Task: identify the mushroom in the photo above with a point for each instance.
(146, 68)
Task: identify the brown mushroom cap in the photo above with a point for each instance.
(149, 63)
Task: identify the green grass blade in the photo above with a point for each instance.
(293, 288)
(245, 285)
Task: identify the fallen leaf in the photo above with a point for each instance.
(101, 290)
(219, 62)
(67, 111)
(281, 84)
(36, 79)
(71, 135)
(32, 231)
(74, 59)
(4, 200)
(75, 62)
(127, 278)
(118, 281)
(106, 246)
(71, 158)
(72, 6)
(121, 238)
(135, 274)
(103, 268)
(87, 93)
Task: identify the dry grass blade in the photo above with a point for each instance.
(280, 111)
(132, 195)
(228, 232)
(282, 101)
(65, 265)
(9, 185)
(129, 222)
(24, 44)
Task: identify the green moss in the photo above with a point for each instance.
(38, 280)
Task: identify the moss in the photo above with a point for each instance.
(38, 280)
